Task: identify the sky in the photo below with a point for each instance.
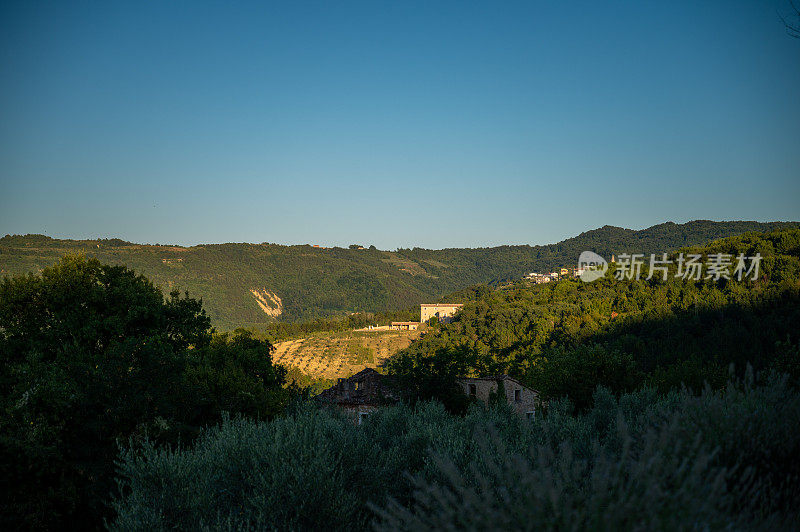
(398, 124)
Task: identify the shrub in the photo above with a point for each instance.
(723, 459)
(720, 460)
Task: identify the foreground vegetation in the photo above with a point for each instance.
(653, 420)
(317, 283)
(643, 461)
(93, 355)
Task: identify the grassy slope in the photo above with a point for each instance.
(322, 282)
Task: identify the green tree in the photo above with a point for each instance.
(234, 373)
(90, 354)
(576, 373)
(434, 376)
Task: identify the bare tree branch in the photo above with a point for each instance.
(792, 21)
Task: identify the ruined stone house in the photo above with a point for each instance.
(367, 391)
(522, 399)
(361, 394)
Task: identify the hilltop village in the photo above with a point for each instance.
(541, 278)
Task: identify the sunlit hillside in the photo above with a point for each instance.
(253, 284)
(331, 355)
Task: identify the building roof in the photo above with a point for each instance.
(374, 389)
(441, 304)
(494, 378)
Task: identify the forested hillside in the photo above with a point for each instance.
(567, 337)
(251, 284)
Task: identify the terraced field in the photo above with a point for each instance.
(332, 355)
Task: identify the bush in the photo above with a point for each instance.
(721, 460)
(311, 470)
(645, 460)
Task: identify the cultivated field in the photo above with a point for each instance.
(341, 354)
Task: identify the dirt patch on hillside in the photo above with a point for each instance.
(268, 301)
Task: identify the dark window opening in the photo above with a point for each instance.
(473, 391)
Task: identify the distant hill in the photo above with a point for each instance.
(251, 284)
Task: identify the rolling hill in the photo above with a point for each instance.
(250, 284)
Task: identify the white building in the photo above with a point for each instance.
(444, 312)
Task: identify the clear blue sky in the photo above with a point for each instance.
(397, 124)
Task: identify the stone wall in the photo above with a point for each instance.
(358, 413)
(523, 400)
